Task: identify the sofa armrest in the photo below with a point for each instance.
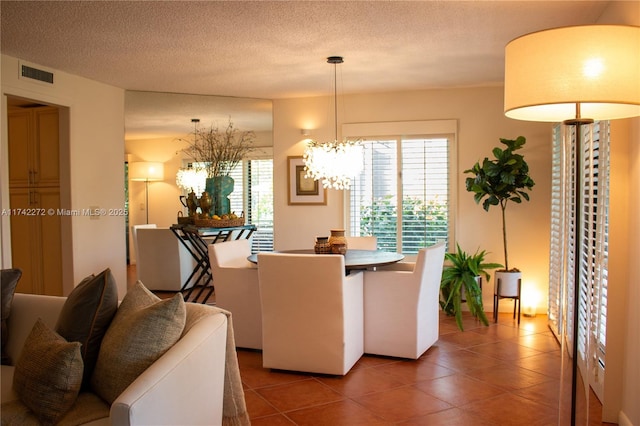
(25, 310)
(184, 386)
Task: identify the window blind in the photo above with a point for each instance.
(402, 194)
(593, 262)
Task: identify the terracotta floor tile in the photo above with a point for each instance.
(540, 342)
(502, 332)
(300, 394)
(459, 389)
(257, 406)
(465, 339)
(362, 381)
(413, 371)
(450, 417)
(509, 377)
(367, 361)
(340, 413)
(275, 420)
(504, 350)
(546, 363)
(512, 410)
(258, 377)
(545, 393)
(463, 360)
(401, 403)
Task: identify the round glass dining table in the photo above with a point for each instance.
(353, 259)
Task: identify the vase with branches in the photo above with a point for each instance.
(219, 151)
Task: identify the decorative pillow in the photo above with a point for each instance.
(86, 315)
(8, 282)
(140, 333)
(48, 373)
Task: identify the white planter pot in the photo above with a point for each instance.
(463, 290)
(509, 283)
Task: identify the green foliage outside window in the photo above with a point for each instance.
(423, 224)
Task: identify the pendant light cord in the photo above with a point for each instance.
(335, 60)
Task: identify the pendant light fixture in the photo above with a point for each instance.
(335, 162)
(193, 177)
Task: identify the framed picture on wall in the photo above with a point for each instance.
(303, 190)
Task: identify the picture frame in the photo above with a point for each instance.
(303, 191)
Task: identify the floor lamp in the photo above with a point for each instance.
(147, 172)
(574, 75)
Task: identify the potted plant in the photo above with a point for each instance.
(460, 281)
(496, 182)
(219, 151)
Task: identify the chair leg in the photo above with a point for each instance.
(496, 301)
(519, 299)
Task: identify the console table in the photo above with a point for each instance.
(196, 241)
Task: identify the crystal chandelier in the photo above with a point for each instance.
(334, 162)
(192, 179)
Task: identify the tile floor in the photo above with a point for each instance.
(503, 374)
(496, 375)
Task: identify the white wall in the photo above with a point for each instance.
(481, 122)
(96, 147)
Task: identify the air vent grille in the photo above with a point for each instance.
(36, 74)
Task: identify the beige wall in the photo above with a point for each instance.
(481, 122)
(96, 144)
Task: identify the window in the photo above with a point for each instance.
(594, 250)
(257, 195)
(403, 194)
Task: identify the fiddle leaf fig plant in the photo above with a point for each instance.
(500, 180)
(460, 274)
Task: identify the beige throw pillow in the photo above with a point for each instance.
(48, 373)
(140, 333)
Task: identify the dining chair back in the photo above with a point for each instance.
(312, 313)
(235, 281)
(162, 262)
(409, 301)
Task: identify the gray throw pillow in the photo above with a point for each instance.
(48, 373)
(140, 333)
(8, 281)
(86, 316)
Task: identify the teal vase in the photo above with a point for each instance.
(219, 188)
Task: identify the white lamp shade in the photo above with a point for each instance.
(146, 171)
(548, 72)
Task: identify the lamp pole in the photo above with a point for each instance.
(578, 122)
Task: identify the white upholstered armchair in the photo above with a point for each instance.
(162, 262)
(235, 280)
(401, 310)
(312, 313)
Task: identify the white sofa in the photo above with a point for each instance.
(184, 386)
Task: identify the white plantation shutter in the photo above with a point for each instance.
(402, 194)
(593, 262)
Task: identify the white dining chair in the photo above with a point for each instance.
(162, 262)
(401, 317)
(312, 313)
(368, 242)
(236, 289)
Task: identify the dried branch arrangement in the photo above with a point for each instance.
(219, 150)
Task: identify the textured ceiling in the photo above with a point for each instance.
(270, 50)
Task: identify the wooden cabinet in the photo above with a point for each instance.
(34, 198)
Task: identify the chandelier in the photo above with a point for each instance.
(335, 162)
(192, 179)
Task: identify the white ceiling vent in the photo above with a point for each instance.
(32, 73)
